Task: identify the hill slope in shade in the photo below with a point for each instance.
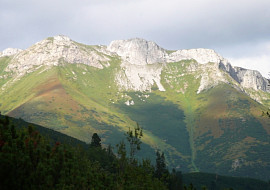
(49, 134)
(192, 104)
(214, 181)
(100, 157)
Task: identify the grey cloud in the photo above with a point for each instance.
(173, 24)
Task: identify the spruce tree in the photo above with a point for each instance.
(160, 165)
(95, 142)
(134, 139)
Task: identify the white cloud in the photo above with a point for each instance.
(232, 27)
(173, 24)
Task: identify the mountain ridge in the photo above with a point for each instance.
(137, 54)
(204, 116)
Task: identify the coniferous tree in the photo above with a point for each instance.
(29, 161)
(176, 181)
(122, 155)
(213, 185)
(95, 142)
(190, 187)
(161, 171)
(134, 139)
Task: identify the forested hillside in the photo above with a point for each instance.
(45, 159)
(28, 160)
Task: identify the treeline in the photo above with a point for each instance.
(52, 135)
(30, 161)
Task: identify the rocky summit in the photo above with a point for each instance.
(9, 52)
(51, 52)
(142, 63)
(202, 112)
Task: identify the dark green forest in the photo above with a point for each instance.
(28, 160)
(32, 157)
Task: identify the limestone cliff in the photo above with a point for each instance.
(202, 56)
(53, 51)
(138, 54)
(141, 66)
(138, 51)
(10, 52)
(142, 63)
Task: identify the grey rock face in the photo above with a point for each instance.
(53, 51)
(9, 52)
(139, 77)
(202, 56)
(250, 79)
(246, 78)
(142, 63)
(140, 68)
(138, 51)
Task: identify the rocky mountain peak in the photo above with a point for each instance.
(10, 52)
(54, 51)
(138, 55)
(140, 68)
(51, 42)
(142, 62)
(201, 55)
(138, 51)
(61, 38)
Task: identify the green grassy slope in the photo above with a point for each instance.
(219, 130)
(165, 121)
(72, 99)
(181, 87)
(20, 91)
(230, 130)
(227, 134)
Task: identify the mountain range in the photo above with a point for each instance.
(202, 112)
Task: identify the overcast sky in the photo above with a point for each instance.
(239, 30)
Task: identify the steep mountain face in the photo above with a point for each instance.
(141, 66)
(138, 51)
(53, 51)
(193, 104)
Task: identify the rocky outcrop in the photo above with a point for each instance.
(138, 54)
(246, 78)
(211, 76)
(214, 74)
(139, 77)
(202, 56)
(141, 66)
(138, 51)
(55, 51)
(10, 52)
(250, 79)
